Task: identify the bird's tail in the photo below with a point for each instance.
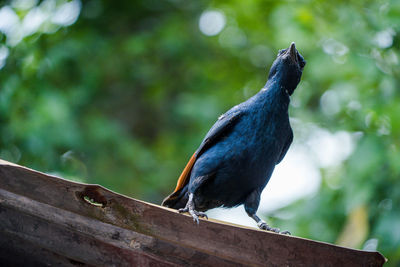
(177, 199)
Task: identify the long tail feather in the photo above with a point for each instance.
(185, 175)
(183, 180)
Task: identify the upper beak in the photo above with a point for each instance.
(292, 51)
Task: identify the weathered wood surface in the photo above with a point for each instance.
(45, 220)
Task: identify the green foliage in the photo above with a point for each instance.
(123, 96)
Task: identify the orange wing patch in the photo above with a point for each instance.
(185, 175)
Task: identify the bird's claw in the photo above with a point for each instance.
(183, 210)
(264, 226)
(194, 213)
(201, 214)
(286, 233)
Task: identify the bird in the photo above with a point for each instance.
(237, 157)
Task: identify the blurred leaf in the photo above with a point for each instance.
(123, 96)
(355, 229)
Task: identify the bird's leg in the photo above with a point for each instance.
(190, 208)
(251, 206)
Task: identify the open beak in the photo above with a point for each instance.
(292, 52)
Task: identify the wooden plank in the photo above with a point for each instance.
(72, 223)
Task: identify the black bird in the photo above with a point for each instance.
(238, 155)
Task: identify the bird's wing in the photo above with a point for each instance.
(223, 125)
(285, 148)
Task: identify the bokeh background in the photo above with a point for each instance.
(121, 93)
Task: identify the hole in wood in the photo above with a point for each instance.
(92, 196)
(91, 201)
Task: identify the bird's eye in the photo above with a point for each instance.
(281, 51)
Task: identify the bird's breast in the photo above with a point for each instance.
(243, 160)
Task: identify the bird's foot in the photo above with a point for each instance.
(264, 226)
(190, 208)
(194, 213)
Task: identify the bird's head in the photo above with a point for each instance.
(288, 68)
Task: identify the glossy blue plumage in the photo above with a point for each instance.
(238, 155)
(243, 160)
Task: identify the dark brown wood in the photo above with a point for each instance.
(46, 220)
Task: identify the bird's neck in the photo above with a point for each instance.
(287, 82)
(274, 94)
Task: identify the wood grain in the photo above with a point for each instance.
(51, 221)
